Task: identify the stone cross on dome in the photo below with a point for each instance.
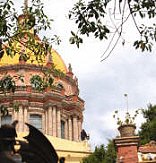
(25, 5)
(70, 73)
(69, 67)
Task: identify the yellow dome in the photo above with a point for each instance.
(56, 59)
(18, 47)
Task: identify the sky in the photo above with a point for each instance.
(103, 84)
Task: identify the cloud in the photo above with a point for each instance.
(104, 91)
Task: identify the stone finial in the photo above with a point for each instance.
(69, 67)
(49, 60)
(76, 80)
(70, 73)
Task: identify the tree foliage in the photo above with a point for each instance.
(15, 30)
(97, 156)
(8, 84)
(104, 19)
(91, 18)
(102, 154)
(41, 83)
(148, 128)
(110, 152)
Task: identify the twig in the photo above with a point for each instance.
(111, 49)
(110, 43)
(133, 19)
(117, 31)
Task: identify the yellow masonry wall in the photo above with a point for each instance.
(71, 150)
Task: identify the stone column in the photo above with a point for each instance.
(43, 123)
(54, 122)
(15, 115)
(50, 121)
(58, 123)
(25, 118)
(66, 129)
(79, 129)
(75, 128)
(16, 118)
(70, 129)
(46, 121)
(20, 119)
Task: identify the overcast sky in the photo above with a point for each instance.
(103, 84)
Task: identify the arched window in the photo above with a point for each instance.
(7, 119)
(62, 129)
(60, 86)
(36, 121)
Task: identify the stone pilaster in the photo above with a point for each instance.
(58, 123)
(79, 128)
(46, 121)
(50, 121)
(127, 149)
(66, 129)
(43, 123)
(54, 122)
(15, 113)
(20, 119)
(25, 118)
(15, 117)
(75, 128)
(70, 128)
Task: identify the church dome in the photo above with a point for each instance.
(56, 59)
(19, 45)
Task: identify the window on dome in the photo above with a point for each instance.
(36, 121)
(60, 86)
(7, 119)
(62, 129)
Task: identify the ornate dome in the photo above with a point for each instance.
(20, 44)
(56, 59)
